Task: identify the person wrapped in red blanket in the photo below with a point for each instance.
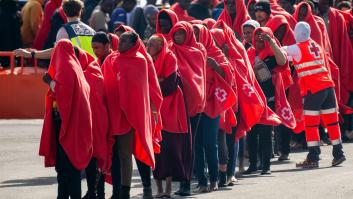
(166, 19)
(234, 15)
(252, 98)
(173, 163)
(129, 112)
(191, 57)
(220, 96)
(268, 61)
(66, 140)
(340, 42)
(180, 8)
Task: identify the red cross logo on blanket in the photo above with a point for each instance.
(220, 94)
(285, 113)
(314, 50)
(248, 89)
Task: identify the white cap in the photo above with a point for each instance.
(302, 32)
(251, 23)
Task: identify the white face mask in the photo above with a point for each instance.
(302, 32)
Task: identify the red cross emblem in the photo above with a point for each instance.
(221, 94)
(314, 50)
(285, 113)
(248, 89)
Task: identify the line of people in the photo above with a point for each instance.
(192, 96)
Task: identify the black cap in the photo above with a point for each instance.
(263, 6)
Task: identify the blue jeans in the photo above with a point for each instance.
(233, 148)
(206, 147)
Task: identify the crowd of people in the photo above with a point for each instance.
(189, 88)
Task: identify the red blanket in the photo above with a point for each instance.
(241, 16)
(173, 17)
(220, 95)
(192, 68)
(209, 23)
(276, 22)
(72, 94)
(130, 110)
(155, 92)
(173, 110)
(182, 14)
(114, 41)
(342, 50)
(276, 9)
(250, 104)
(44, 29)
(94, 77)
(282, 107)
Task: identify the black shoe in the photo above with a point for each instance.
(213, 186)
(266, 172)
(222, 179)
(283, 157)
(250, 170)
(308, 164)
(184, 189)
(338, 161)
(89, 196)
(147, 193)
(124, 192)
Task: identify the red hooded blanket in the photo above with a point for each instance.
(72, 94)
(192, 67)
(282, 107)
(173, 112)
(174, 19)
(130, 110)
(241, 16)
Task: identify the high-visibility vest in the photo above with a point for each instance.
(80, 35)
(312, 73)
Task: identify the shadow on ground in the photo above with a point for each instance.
(39, 181)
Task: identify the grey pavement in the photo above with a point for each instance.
(23, 176)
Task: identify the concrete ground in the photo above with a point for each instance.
(22, 174)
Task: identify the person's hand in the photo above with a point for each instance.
(266, 37)
(22, 53)
(47, 79)
(52, 86)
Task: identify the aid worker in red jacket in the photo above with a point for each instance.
(317, 90)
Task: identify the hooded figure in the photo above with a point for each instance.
(234, 15)
(268, 62)
(173, 163)
(166, 19)
(191, 57)
(67, 141)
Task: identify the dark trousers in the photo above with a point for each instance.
(283, 137)
(259, 139)
(95, 180)
(115, 171)
(144, 170)
(241, 150)
(228, 151)
(145, 173)
(194, 125)
(233, 148)
(69, 178)
(348, 119)
(206, 147)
